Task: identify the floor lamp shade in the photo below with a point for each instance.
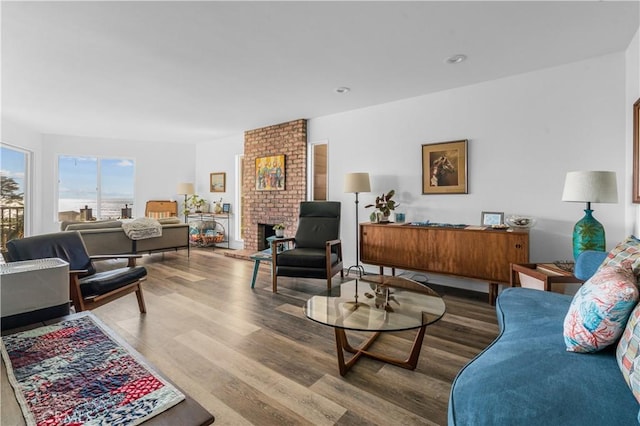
(357, 182)
(589, 187)
(185, 188)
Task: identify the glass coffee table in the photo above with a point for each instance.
(376, 304)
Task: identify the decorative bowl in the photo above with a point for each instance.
(522, 222)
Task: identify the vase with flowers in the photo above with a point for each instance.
(195, 203)
(279, 229)
(383, 206)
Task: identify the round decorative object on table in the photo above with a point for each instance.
(521, 222)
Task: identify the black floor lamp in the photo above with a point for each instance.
(356, 183)
(186, 189)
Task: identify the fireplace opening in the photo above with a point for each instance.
(265, 230)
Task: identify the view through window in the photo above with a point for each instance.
(13, 173)
(92, 188)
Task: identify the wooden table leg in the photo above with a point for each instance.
(493, 293)
(256, 266)
(342, 345)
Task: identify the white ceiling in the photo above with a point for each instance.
(198, 71)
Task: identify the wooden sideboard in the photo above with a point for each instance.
(481, 254)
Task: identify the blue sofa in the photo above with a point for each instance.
(526, 376)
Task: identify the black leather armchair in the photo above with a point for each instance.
(317, 249)
(88, 289)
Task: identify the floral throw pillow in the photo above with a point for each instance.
(626, 253)
(599, 310)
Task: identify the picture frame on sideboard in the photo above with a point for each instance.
(492, 218)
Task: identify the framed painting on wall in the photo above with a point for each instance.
(444, 167)
(270, 173)
(636, 152)
(217, 182)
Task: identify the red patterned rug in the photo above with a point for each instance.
(77, 372)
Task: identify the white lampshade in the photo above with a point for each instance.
(357, 182)
(185, 188)
(592, 187)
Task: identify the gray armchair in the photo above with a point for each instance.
(317, 249)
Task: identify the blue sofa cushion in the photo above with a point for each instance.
(526, 376)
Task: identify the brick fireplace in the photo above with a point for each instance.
(271, 207)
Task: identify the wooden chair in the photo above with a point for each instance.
(317, 251)
(88, 289)
(160, 209)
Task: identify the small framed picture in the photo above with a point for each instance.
(226, 207)
(492, 218)
(218, 182)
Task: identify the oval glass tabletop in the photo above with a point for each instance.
(377, 303)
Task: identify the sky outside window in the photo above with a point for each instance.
(13, 165)
(87, 181)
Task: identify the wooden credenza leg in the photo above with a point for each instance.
(493, 293)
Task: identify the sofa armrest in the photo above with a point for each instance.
(131, 257)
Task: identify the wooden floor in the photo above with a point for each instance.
(251, 356)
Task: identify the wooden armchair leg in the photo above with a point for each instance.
(140, 297)
(74, 292)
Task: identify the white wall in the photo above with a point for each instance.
(160, 166)
(525, 132)
(29, 140)
(215, 157)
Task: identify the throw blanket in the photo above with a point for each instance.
(141, 228)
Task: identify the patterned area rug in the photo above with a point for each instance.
(79, 372)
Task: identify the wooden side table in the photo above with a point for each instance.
(540, 276)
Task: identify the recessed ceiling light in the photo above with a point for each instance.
(455, 59)
(342, 90)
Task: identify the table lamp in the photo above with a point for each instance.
(185, 188)
(356, 183)
(589, 187)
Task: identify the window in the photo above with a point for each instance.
(94, 188)
(14, 175)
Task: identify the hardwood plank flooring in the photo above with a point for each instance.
(251, 357)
